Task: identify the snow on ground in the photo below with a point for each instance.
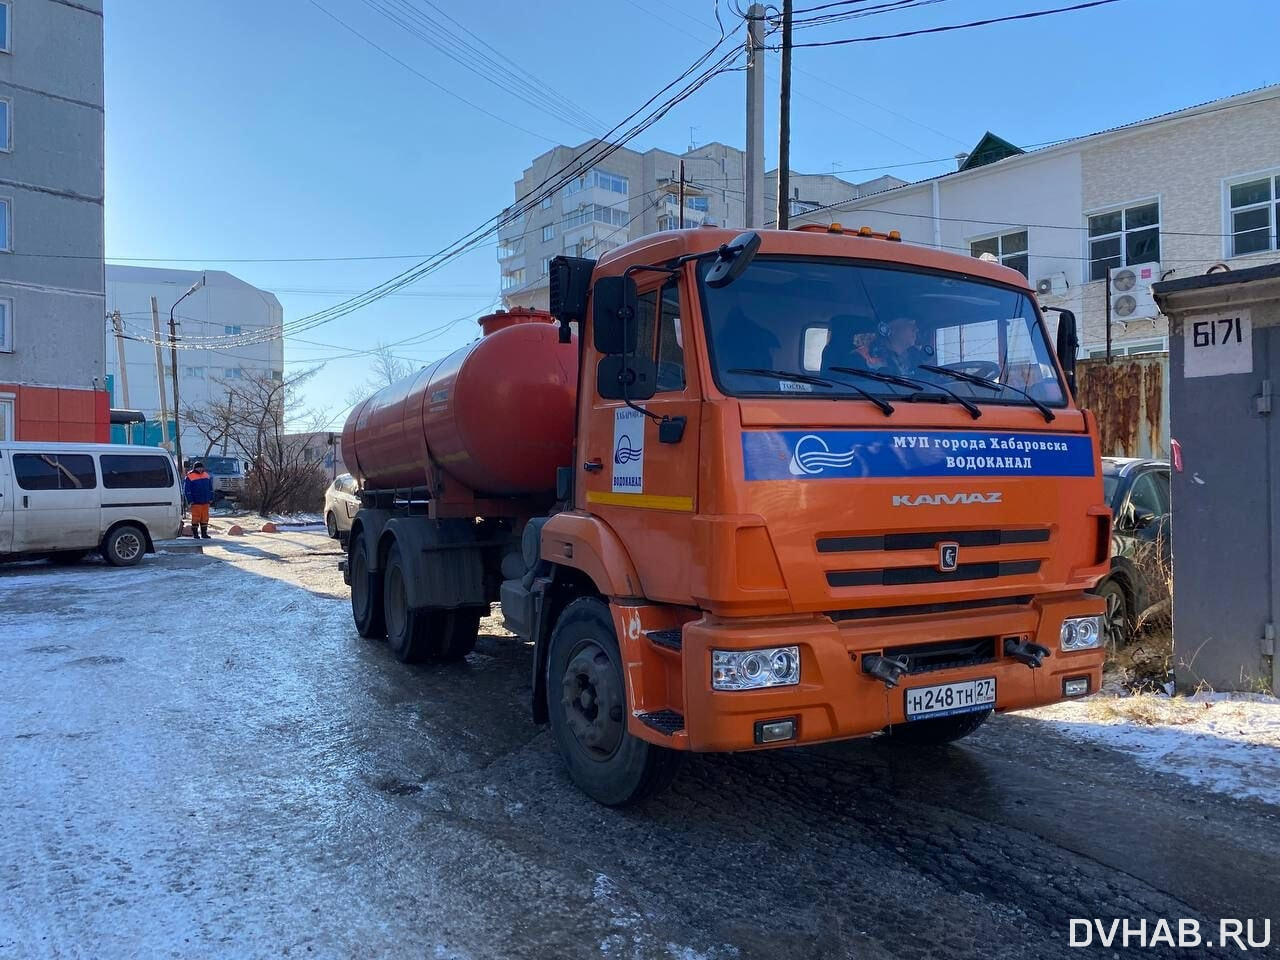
(297, 519)
(1229, 743)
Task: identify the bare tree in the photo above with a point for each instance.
(265, 419)
(213, 421)
(385, 368)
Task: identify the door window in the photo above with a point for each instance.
(659, 335)
(50, 471)
(1145, 497)
(135, 471)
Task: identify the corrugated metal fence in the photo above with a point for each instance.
(1130, 398)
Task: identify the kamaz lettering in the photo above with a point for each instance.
(938, 499)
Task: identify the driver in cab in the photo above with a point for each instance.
(894, 349)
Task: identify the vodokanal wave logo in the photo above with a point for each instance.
(625, 453)
(812, 455)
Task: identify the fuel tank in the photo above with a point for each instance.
(495, 415)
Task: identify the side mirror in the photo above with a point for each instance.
(638, 375)
(732, 259)
(1143, 518)
(613, 316)
(1067, 346)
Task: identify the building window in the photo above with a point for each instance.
(233, 373)
(512, 247)
(1122, 237)
(546, 266)
(1009, 249)
(6, 226)
(197, 372)
(513, 278)
(6, 125)
(547, 201)
(1255, 213)
(701, 204)
(573, 249)
(667, 223)
(548, 232)
(5, 29)
(232, 330)
(277, 374)
(6, 418)
(6, 325)
(603, 179)
(1160, 345)
(600, 214)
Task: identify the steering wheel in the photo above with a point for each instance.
(987, 369)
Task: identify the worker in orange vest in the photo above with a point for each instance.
(197, 487)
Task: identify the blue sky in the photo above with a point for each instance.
(266, 130)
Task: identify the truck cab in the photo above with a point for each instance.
(846, 491)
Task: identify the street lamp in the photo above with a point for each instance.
(173, 353)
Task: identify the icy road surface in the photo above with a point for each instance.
(200, 758)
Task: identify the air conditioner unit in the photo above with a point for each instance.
(1131, 292)
(1052, 285)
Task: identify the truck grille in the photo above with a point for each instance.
(927, 539)
(904, 576)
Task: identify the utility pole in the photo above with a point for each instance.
(784, 122)
(754, 173)
(118, 324)
(164, 404)
(173, 355)
(681, 194)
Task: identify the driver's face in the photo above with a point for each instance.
(902, 333)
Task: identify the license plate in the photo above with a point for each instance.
(948, 698)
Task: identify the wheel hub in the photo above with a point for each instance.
(592, 702)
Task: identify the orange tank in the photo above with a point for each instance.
(495, 415)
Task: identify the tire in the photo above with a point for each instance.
(1117, 621)
(588, 707)
(331, 525)
(66, 558)
(124, 546)
(366, 593)
(458, 632)
(410, 633)
(939, 730)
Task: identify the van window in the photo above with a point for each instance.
(134, 470)
(54, 471)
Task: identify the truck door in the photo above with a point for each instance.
(6, 505)
(646, 489)
(56, 504)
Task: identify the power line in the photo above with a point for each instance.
(955, 26)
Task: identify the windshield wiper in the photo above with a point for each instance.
(974, 410)
(885, 407)
(990, 385)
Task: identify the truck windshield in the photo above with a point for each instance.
(222, 466)
(814, 316)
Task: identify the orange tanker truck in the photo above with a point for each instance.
(742, 492)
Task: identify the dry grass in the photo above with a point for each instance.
(1145, 709)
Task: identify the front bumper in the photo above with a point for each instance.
(835, 699)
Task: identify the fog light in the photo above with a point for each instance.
(1081, 633)
(1075, 687)
(754, 669)
(775, 731)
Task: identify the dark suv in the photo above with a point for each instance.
(1141, 549)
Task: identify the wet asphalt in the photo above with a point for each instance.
(200, 758)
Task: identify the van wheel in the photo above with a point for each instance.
(124, 546)
(65, 558)
(366, 593)
(588, 706)
(331, 525)
(939, 730)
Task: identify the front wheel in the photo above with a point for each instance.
(331, 525)
(938, 730)
(1117, 621)
(366, 593)
(124, 546)
(588, 707)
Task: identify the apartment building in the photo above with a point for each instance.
(224, 307)
(633, 194)
(51, 221)
(1169, 196)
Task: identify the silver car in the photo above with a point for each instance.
(341, 501)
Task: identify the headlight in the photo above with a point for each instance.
(1081, 633)
(753, 669)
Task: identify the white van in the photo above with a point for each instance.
(63, 500)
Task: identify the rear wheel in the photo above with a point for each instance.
(409, 632)
(588, 706)
(366, 593)
(457, 636)
(939, 730)
(124, 546)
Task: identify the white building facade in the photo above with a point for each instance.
(630, 195)
(1186, 190)
(224, 307)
